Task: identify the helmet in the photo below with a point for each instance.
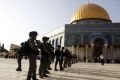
(22, 43)
(33, 33)
(58, 46)
(45, 38)
(63, 48)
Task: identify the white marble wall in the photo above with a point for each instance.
(82, 53)
(116, 53)
(109, 53)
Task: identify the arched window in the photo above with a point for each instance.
(78, 39)
(53, 42)
(61, 40)
(56, 43)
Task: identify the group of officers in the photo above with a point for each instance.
(47, 56)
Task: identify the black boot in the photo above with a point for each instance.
(61, 69)
(44, 75)
(28, 77)
(34, 78)
(49, 68)
(41, 76)
(47, 72)
(18, 69)
(56, 69)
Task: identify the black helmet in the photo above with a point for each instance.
(33, 33)
(45, 38)
(22, 43)
(63, 48)
(59, 46)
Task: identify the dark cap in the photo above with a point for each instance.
(22, 43)
(58, 46)
(45, 38)
(33, 33)
(63, 48)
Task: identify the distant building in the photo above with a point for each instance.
(13, 48)
(90, 33)
(3, 51)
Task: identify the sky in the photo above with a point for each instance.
(19, 17)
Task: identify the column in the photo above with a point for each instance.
(86, 53)
(105, 52)
(77, 51)
(72, 49)
(112, 59)
(58, 41)
(92, 47)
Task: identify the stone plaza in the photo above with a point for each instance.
(78, 71)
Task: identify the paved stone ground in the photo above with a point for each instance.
(78, 71)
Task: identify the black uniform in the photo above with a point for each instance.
(44, 58)
(67, 58)
(19, 59)
(20, 55)
(32, 55)
(59, 58)
(52, 55)
(62, 56)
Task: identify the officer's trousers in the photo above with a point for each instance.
(60, 63)
(19, 60)
(43, 65)
(32, 65)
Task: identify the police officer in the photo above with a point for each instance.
(32, 55)
(66, 56)
(62, 56)
(51, 57)
(19, 58)
(70, 59)
(45, 53)
(58, 58)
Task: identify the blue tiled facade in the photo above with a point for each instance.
(82, 34)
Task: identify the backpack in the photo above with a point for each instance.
(25, 50)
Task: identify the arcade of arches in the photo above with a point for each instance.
(91, 53)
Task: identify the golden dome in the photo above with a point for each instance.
(90, 11)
